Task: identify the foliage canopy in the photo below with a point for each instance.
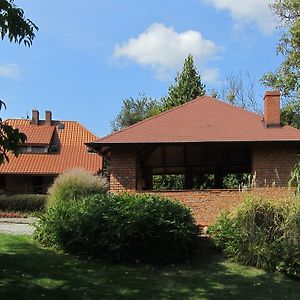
(188, 86)
(135, 110)
(15, 25)
(287, 77)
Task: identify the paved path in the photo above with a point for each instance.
(17, 225)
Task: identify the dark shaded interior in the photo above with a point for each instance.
(197, 164)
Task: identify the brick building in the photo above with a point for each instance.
(51, 148)
(202, 137)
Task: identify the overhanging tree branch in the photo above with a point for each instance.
(14, 25)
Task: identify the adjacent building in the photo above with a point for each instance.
(52, 147)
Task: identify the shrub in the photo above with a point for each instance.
(22, 202)
(74, 184)
(124, 227)
(290, 262)
(254, 233)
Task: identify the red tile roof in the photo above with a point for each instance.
(37, 134)
(72, 150)
(204, 119)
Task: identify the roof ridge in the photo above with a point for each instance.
(53, 125)
(173, 109)
(85, 128)
(244, 109)
(150, 118)
(19, 119)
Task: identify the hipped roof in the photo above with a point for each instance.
(204, 119)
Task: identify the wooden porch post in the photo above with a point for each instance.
(219, 178)
(188, 178)
(148, 179)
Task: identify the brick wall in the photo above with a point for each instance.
(206, 205)
(273, 164)
(122, 170)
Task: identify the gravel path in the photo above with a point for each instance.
(17, 225)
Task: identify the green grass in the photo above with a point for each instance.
(28, 271)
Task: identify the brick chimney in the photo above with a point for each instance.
(272, 109)
(35, 117)
(48, 117)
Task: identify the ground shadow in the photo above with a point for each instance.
(31, 272)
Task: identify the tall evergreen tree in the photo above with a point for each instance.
(187, 86)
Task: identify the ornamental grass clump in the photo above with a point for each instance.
(74, 184)
(294, 181)
(133, 228)
(290, 262)
(258, 231)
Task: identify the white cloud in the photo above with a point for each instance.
(9, 71)
(249, 11)
(163, 49)
(210, 75)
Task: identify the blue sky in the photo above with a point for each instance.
(89, 55)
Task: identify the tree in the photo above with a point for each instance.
(290, 113)
(187, 86)
(18, 29)
(10, 138)
(135, 110)
(287, 77)
(239, 90)
(15, 25)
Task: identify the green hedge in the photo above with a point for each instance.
(22, 202)
(136, 228)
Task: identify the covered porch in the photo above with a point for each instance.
(194, 166)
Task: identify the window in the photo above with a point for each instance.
(33, 149)
(23, 149)
(38, 149)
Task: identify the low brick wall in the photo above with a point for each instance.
(206, 205)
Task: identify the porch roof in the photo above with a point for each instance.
(204, 119)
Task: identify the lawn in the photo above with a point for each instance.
(31, 272)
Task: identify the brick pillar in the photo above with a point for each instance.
(122, 170)
(273, 164)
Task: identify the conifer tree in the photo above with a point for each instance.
(188, 86)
